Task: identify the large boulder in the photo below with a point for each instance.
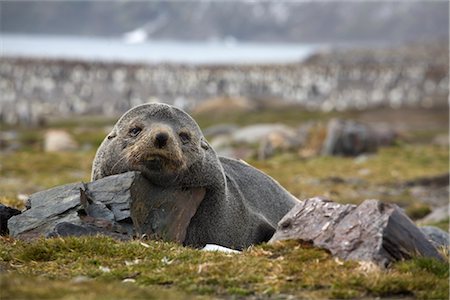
(348, 138)
(373, 231)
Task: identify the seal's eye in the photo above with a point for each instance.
(184, 137)
(134, 131)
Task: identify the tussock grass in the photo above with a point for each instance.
(286, 268)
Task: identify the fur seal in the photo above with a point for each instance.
(241, 206)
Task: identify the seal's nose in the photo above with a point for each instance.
(161, 139)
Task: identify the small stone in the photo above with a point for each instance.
(132, 263)
(437, 215)
(59, 140)
(104, 269)
(80, 279)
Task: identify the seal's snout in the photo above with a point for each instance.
(161, 139)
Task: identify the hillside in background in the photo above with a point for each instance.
(388, 22)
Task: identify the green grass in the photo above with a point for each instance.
(28, 172)
(289, 115)
(31, 171)
(393, 165)
(284, 268)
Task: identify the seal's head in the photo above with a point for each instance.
(159, 140)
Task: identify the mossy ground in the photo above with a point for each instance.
(262, 271)
(71, 268)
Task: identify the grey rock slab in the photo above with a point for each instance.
(47, 209)
(116, 194)
(110, 197)
(113, 206)
(437, 236)
(373, 231)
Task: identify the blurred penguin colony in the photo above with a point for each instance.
(412, 76)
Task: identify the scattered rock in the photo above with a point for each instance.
(437, 215)
(383, 134)
(220, 129)
(441, 140)
(437, 236)
(80, 279)
(348, 138)
(361, 159)
(432, 190)
(255, 133)
(373, 231)
(9, 141)
(339, 137)
(276, 141)
(434, 196)
(59, 140)
(221, 142)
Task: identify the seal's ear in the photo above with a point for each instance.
(112, 135)
(204, 144)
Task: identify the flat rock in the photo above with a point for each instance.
(47, 209)
(117, 206)
(373, 231)
(64, 204)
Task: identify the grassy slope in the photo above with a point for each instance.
(44, 268)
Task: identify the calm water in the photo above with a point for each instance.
(108, 49)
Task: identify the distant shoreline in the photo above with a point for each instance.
(117, 50)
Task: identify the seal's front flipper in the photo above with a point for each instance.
(165, 213)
